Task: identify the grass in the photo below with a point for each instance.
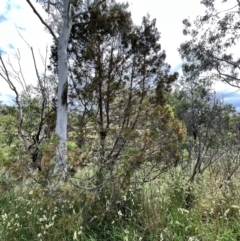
(156, 211)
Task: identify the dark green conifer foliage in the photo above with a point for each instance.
(119, 81)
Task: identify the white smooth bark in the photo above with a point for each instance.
(62, 105)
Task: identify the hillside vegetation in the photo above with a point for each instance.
(150, 155)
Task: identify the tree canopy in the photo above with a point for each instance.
(213, 39)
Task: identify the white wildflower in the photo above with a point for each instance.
(211, 211)
(4, 216)
(120, 213)
(75, 235)
(235, 206)
(178, 223)
(44, 218)
(226, 212)
(47, 226)
(124, 198)
(183, 210)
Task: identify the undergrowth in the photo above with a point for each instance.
(154, 211)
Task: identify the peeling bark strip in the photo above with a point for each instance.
(65, 94)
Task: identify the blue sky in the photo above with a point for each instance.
(169, 15)
(232, 98)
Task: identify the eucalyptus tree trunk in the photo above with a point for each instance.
(64, 12)
(62, 104)
(65, 22)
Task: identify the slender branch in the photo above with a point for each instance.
(20, 114)
(81, 13)
(234, 64)
(44, 61)
(7, 78)
(36, 69)
(93, 187)
(17, 75)
(35, 66)
(43, 22)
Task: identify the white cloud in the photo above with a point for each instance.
(21, 18)
(169, 15)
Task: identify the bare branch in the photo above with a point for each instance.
(20, 68)
(17, 75)
(7, 77)
(20, 114)
(43, 22)
(35, 66)
(44, 62)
